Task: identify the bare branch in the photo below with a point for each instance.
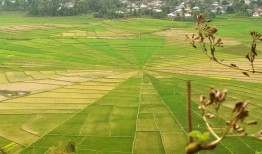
(207, 32)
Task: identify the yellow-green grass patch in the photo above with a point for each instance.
(34, 111)
(14, 133)
(33, 150)
(236, 146)
(109, 144)
(32, 100)
(119, 95)
(71, 129)
(48, 72)
(148, 91)
(124, 75)
(150, 99)
(146, 122)
(125, 110)
(125, 95)
(109, 80)
(25, 86)
(166, 122)
(174, 141)
(106, 34)
(100, 74)
(96, 125)
(49, 42)
(86, 151)
(120, 102)
(148, 142)
(3, 79)
(4, 142)
(51, 82)
(83, 91)
(65, 95)
(68, 41)
(96, 83)
(29, 106)
(54, 140)
(91, 87)
(130, 89)
(39, 75)
(99, 109)
(150, 108)
(17, 76)
(86, 73)
(10, 119)
(23, 28)
(122, 125)
(43, 123)
(127, 91)
(12, 147)
(72, 79)
(29, 44)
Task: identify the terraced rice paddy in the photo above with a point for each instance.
(116, 86)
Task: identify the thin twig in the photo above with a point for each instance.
(227, 65)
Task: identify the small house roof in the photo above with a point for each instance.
(171, 15)
(157, 10)
(188, 15)
(143, 6)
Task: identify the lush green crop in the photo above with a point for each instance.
(116, 86)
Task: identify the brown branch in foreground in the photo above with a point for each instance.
(232, 66)
(239, 113)
(207, 32)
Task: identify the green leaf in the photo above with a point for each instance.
(203, 137)
(194, 134)
(257, 152)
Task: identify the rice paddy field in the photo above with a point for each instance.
(118, 86)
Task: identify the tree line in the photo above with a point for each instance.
(100, 8)
(62, 7)
(112, 8)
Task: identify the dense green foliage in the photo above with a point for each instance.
(56, 8)
(111, 9)
(105, 8)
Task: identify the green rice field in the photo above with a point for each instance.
(118, 86)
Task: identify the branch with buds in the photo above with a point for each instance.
(206, 32)
(216, 99)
